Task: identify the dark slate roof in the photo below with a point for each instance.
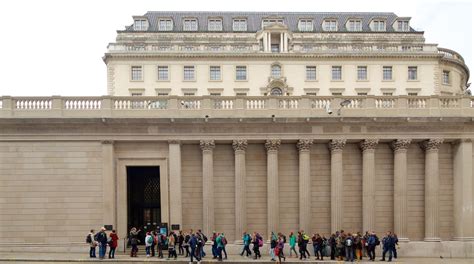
(254, 19)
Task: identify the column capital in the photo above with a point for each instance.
(239, 144)
(431, 144)
(107, 142)
(368, 144)
(272, 144)
(400, 144)
(207, 144)
(304, 144)
(174, 141)
(337, 144)
(461, 140)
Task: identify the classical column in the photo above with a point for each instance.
(108, 184)
(336, 146)
(368, 183)
(281, 42)
(400, 192)
(269, 42)
(207, 147)
(463, 192)
(285, 41)
(273, 212)
(431, 148)
(176, 214)
(240, 146)
(304, 147)
(265, 42)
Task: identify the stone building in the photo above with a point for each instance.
(253, 121)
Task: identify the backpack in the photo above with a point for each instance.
(284, 239)
(89, 239)
(224, 241)
(377, 241)
(305, 237)
(349, 242)
(96, 236)
(204, 238)
(260, 242)
(150, 240)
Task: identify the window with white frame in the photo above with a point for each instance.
(311, 73)
(330, 25)
(355, 25)
(189, 73)
(275, 47)
(239, 24)
(445, 77)
(214, 24)
(163, 73)
(378, 25)
(336, 73)
(387, 73)
(276, 71)
(305, 25)
(190, 24)
(412, 73)
(403, 25)
(268, 21)
(241, 73)
(215, 73)
(165, 24)
(140, 25)
(137, 73)
(361, 73)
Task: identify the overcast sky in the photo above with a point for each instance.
(53, 47)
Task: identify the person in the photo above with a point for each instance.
(224, 244)
(371, 244)
(172, 246)
(180, 243)
(113, 244)
(305, 243)
(358, 246)
(257, 242)
(247, 240)
(349, 244)
(204, 239)
(155, 242)
(395, 245)
(301, 245)
(273, 244)
(292, 238)
(317, 246)
(199, 245)
(388, 245)
(92, 243)
(102, 240)
(133, 236)
(279, 248)
(194, 241)
(214, 245)
(161, 244)
(186, 243)
(219, 245)
(148, 243)
(365, 240)
(332, 245)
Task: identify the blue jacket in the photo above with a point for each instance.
(193, 242)
(388, 242)
(371, 240)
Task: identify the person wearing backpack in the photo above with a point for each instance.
(317, 246)
(257, 241)
(224, 244)
(133, 237)
(371, 244)
(92, 243)
(279, 248)
(306, 239)
(219, 245)
(349, 244)
(194, 241)
(148, 243)
(293, 244)
(186, 243)
(172, 246)
(247, 240)
(102, 240)
(388, 244)
(180, 243)
(113, 244)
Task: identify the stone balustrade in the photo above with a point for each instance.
(237, 106)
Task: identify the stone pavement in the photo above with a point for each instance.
(6, 257)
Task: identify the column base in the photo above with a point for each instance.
(462, 239)
(238, 242)
(432, 239)
(403, 239)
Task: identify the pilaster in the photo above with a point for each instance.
(175, 181)
(109, 214)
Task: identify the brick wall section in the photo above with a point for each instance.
(49, 188)
(416, 193)
(446, 192)
(191, 162)
(288, 169)
(256, 161)
(320, 189)
(224, 190)
(352, 188)
(384, 189)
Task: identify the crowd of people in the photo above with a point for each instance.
(339, 246)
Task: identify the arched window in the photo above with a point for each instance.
(276, 91)
(276, 71)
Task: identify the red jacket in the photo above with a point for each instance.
(114, 240)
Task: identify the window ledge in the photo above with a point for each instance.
(367, 80)
(163, 80)
(413, 80)
(392, 80)
(337, 80)
(311, 80)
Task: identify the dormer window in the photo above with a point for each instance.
(305, 25)
(330, 25)
(403, 25)
(165, 24)
(239, 24)
(378, 25)
(276, 71)
(214, 24)
(190, 24)
(268, 21)
(140, 24)
(354, 25)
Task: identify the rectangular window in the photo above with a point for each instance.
(188, 94)
(189, 73)
(311, 94)
(163, 73)
(162, 94)
(355, 25)
(330, 25)
(267, 22)
(165, 25)
(215, 73)
(337, 72)
(137, 74)
(361, 94)
(336, 94)
(445, 77)
(311, 73)
(387, 94)
(403, 26)
(241, 94)
(412, 94)
(214, 25)
(361, 73)
(241, 73)
(140, 25)
(239, 24)
(387, 73)
(215, 94)
(412, 73)
(275, 48)
(305, 25)
(378, 25)
(136, 94)
(190, 24)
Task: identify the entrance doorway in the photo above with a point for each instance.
(144, 198)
